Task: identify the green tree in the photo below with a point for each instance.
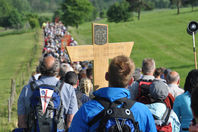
(14, 20)
(136, 5)
(118, 12)
(76, 12)
(178, 4)
(21, 5)
(43, 19)
(34, 23)
(193, 3)
(5, 8)
(102, 14)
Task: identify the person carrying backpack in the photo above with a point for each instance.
(148, 69)
(47, 105)
(165, 118)
(111, 109)
(72, 78)
(140, 89)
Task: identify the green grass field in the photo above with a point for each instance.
(160, 34)
(15, 53)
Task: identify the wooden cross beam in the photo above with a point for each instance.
(100, 52)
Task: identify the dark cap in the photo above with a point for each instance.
(158, 90)
(167, 71)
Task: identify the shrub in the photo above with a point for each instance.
(43, 19)
(118, 12)
(34, 23)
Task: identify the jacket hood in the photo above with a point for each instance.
(112, 93)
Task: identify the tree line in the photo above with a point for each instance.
(18, 13)
(75, 12)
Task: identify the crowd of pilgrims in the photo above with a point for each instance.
(56, 37)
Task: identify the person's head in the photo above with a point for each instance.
(49, 66)
(158, 72)
(148, 66)
(158, 90)
(82, 74)
(72, 78)
(166, 72)
(194, 102)
(63, 70)
(191, 80)
(173, 78)
(120, 71)
(137, 74)
(85, 86)
(89, 72)
(38, 69)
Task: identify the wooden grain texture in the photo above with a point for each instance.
(100, 54)
(80, 53)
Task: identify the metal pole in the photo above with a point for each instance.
(194, 50)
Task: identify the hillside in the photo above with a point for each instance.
(160, 34)
(17, 50)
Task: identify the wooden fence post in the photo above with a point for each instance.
(9, 110)
(13, 91)
(23, 79)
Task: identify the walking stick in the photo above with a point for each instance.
(194, 50)
(192, 30)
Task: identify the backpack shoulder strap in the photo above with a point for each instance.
(105, 103)
(59, 85)
(135, 123)
(166, 116)
(33, 85)
(33, 78)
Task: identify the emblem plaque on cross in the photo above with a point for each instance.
(100, 53)
(100, 34)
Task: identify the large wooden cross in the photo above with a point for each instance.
(100, 52)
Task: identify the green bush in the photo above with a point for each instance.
(102, 14)
(57, 14)
(149, 6)
(43, 19)
(34, 23)
(118, 12)
(15, 19)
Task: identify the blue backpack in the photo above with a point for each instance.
(116, 116)
(46, 109)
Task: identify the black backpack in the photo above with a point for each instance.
(46, 116)
(116, 116)
(79, 96)
(143, 91)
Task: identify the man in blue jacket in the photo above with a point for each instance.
(119, 75)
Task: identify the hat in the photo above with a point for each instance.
(158, 90)
(167, 71)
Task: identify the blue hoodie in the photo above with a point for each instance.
(90, 109)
